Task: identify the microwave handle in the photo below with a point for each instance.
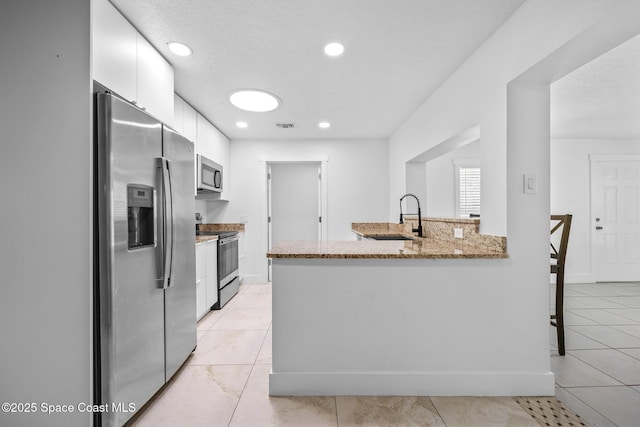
(165, 224)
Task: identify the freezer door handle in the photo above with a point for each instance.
(165, 224)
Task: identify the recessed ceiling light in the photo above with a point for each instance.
(180, 49)
(334, 49)
(324, 125)
(242, 124)
(254, 100)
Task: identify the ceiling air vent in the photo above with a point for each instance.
(285, 125)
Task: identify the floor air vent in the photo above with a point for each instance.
(285, 125)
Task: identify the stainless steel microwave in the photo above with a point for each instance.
(209, 175)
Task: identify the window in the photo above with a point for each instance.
(467, 189)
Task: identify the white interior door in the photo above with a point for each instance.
(294, 202)
(616, 220)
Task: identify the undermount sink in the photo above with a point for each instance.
(391, 237)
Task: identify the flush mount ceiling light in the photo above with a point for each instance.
(254, 100)
(180, 49)
(334, 49)
(242, 125)
(324, 125)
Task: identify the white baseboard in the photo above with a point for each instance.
(410, 384)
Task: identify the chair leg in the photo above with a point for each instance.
(560, 310)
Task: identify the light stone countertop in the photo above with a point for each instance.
(401, 249)
(429, 247)
(216, 227)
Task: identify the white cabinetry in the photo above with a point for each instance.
(114, 50)
(126, 63)
(206, 277)
(178, 114)
(155, 82)
(190, 123)
(241, 259)
(214, 145)
(184, 119)
(201, 280)
(212, 273)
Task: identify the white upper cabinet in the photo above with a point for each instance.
(185, 118)
(211, 142)
(214, 145)
(178, 113)
(190, 123)
(126, 63)
(155, 82)
(114, 50)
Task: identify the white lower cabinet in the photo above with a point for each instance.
(241, 259)
(212, 272)
(201, 280)
(206, 277)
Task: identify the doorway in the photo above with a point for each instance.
(296, 200)
(615, 200)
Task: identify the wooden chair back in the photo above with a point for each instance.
(560, 255)
(564, 224)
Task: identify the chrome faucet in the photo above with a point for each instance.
(419, 229)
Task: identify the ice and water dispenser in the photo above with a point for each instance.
(140, 216)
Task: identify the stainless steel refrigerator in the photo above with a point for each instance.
(145, 304)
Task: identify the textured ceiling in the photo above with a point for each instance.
(600, 99)
(397, 53)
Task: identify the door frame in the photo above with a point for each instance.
(263, 165)
(593, 159)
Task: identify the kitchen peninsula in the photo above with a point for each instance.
(388, 317)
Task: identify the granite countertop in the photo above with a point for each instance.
(216, 227)
(429, 247)
(222, 227)
(410, 249)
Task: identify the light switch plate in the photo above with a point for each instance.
(244, 218)
(458, 233)
(530, 184)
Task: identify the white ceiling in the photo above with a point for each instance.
(600, 99)
(397, 53)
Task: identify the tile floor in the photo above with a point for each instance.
(599, 377)
(225, 381)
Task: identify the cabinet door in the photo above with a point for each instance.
(155, 82)
(201, 280)
(212, 273)
(178, 114)
(114, 50)
(214, 145)
(241, 258)
(190, 123)
(206, 137)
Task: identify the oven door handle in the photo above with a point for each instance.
(228, 240)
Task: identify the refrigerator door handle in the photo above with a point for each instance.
(165, 224)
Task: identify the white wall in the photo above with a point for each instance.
(476, 94)
(357, 177)
(441, 193)
(504, 88)
(45, 208)
(571, 193)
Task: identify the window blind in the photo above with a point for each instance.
(469, 191)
